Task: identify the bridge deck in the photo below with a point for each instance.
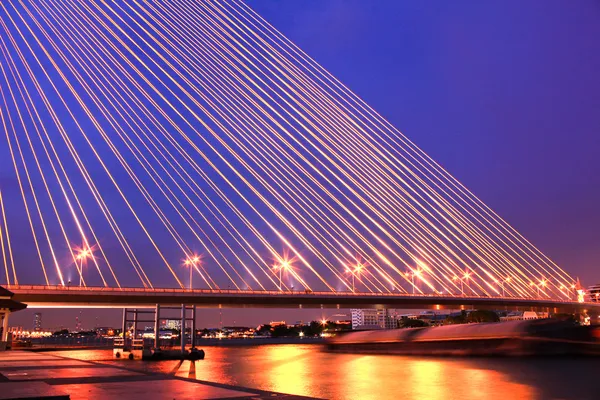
(59, 296)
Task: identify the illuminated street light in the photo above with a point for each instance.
(542, 284)
(466, 277)
(356, 270)
(462, 280)
(285, 265)
(82, 256)
(191, 263)
(502, 282)
(455, 278)
(412, 274)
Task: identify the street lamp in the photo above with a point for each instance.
(83, 255)
(355, 270)
(412, 275)
(543, 283)
(455, 278)
(507, 280)
(191, 262)
(285, 265)
(466, 277)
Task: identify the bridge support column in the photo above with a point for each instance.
(124, 327)
(182, 328)
(157, 327)
(135, 322)
(193, 337)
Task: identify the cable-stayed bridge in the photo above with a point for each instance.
(60, 296)
(191, 145)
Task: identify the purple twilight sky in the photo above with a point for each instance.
(504, 94)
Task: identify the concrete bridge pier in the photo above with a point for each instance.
(157, 328)
(124, 328)
(193, 331)
(135, 323)
(183, 319)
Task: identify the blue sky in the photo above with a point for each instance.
(505, 95)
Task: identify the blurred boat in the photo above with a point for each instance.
(512, 338)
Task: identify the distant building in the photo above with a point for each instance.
(37, 321)
(594, 293)
(435, 318)
(523, 315)
(172, 324)
(371, 318)
(237, 331)
(107, 331)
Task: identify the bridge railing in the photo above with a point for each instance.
(289, 293)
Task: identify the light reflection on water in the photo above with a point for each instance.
(307, 370)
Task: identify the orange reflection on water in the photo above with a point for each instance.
(495, 382)
(309, 371)
(355, 377)
(287, 369)
(216, 368)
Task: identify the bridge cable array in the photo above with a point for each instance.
(150, 132)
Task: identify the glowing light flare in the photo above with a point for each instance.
(356, 268)
(84, 254)
(193, 262)
(285, 264)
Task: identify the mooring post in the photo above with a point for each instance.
(124, 327)
(193, 338)
(182, 328)
(157, 327)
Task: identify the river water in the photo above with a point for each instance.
(309, 370)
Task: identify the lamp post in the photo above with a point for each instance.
(466, 277)
(285, 265)
(355, 270)
(455, 278)
(412, 275)
(542, 284)
(503, 282)
(81, 257)
(191, 262)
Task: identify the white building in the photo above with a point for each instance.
(37, 322)
(371, 318)
(594, 293)
(523, 315)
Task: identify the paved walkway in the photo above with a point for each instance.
(30, 375)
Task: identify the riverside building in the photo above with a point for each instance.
(372, 318)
